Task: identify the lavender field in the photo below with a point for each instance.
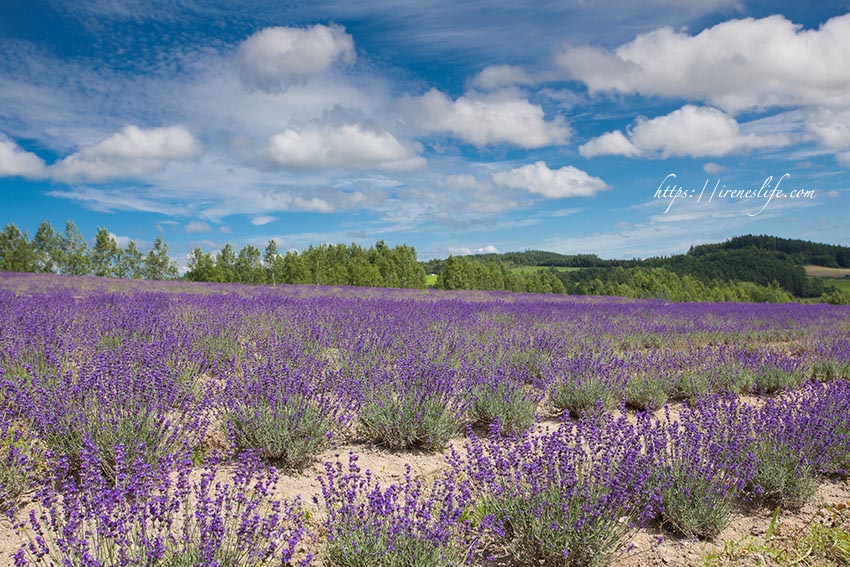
(182, 424)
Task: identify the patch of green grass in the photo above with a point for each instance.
(532, 269)
(431, 280)
(823, 542)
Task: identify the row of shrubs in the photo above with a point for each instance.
(571, 497)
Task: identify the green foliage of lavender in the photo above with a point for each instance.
(505, 403)
(708, 460)
(567, 498)
(19, 456)
(292, 432)
(412, 407)
(400, 525)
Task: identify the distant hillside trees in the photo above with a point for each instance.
(800, 252)
(661, 283)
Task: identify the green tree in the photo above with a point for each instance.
(293, 268)
(75, 252)
(130, 263)
(16, 252)
(158, 264)
(225, 264)
(249, 265)
(455, 274)
(104, 255)
(48, 248)
(201, 266)
(271, 255)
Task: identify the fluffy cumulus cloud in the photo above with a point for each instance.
(611, 143)
(496, 77)
(15, 161)
(537, 178)
(274, 57)
(736, 65)
(693, 131)
(131, 152)
(348, 146)
(485, 119)
(831, 128)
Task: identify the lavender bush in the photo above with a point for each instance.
(401, 525)
(156, 515)
(566, 498)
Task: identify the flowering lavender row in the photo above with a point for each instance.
(570, 497)
(96, 374)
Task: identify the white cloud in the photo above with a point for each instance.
(462, 181)
(348, 146)
(276, 56)
(610, 143)
(15, 161)
(467, 251)
(712, 168)
(694, 131)
(833, 194)
(110, 201)
(198, 226)
(129, 153)
(830, 127)
(485, 119)
(263, 219)
(844, 159)
(496, 77)
(560, 183)
(736, 65)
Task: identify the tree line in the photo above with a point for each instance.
(52, 252)
(68, 252)
(740, 271)
(467, 272)
(328, 264)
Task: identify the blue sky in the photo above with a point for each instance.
(451, 126)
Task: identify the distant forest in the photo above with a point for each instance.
(744, 268)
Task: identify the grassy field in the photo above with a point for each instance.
(823, 272)
(529, 269)
(840, 284)
(431, 280)
(836, 277)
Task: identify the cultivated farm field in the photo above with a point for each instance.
(178, 424)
